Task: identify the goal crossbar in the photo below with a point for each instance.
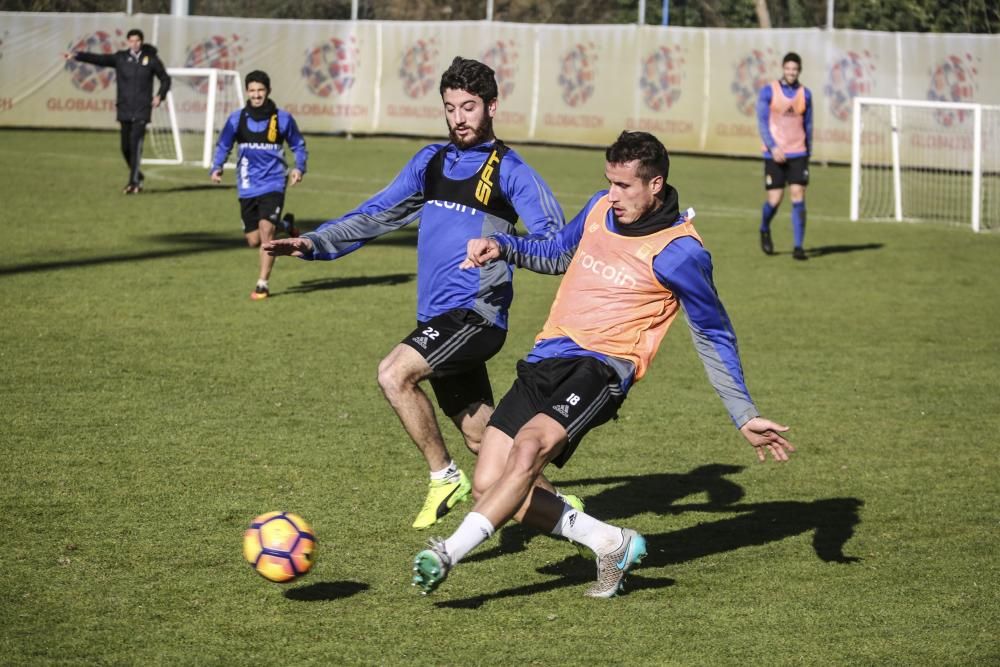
(974, 165)
(210, 127)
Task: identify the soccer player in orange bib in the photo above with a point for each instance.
(784, 119)
(632, 261)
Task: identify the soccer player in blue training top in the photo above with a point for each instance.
(784, 119)
(632, 261)
(472, 186)
(135, 68)
(260, 129)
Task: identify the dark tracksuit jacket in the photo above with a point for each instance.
(135, 79)
(134, 75)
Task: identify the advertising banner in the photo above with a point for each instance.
(668, 83)
(696, 89)
(583, 95)
(39, 88)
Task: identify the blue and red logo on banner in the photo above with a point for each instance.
(849, 76)
(662, 76)
(751, 73)
(502, 57)
(953, 80)
(331, 67)
(91, 78)
(418, 68)
(217, 51)
(577, 74)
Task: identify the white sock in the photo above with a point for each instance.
(449, 471)
(473, 531)
(580, 527)
(261, 283)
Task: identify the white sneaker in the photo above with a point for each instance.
(611, 567)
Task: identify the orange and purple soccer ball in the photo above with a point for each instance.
(280, 546)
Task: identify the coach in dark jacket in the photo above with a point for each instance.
(135, 68)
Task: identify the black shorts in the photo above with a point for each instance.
(794, 171)
(264, 207)
(457, 345)
(580, 393)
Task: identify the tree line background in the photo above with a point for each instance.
(967, 16)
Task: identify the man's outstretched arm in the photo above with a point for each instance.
(99, 59)
(399, 204)
(685, 268)
(542, 255)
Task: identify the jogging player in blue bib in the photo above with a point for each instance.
(260, 129)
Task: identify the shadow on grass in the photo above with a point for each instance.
(572, 571)
(186, 188)
(819, 251)
(326, 590)
(832, 521)
(192, 242)
(345, 283)
(308, 224)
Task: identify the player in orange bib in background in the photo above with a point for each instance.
(632, 262)
(784, 119)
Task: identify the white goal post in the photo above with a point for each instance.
(923, 160)
(184, 129)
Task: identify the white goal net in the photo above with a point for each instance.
(185, 128)
(917, 160)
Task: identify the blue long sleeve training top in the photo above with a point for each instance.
(446, 228)
(685, 268)
(260, 166)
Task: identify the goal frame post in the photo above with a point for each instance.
(210, 130)
(894, 104)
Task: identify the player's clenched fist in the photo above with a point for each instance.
(480, 252)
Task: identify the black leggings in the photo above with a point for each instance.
(133, 134)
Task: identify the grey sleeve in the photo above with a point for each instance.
(733, 393)
(362, 225)
(551, 265)
(551, 255)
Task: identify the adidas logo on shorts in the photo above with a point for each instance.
(562, 409)
(421, 341)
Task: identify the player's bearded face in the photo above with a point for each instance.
(256, 93)
(630, 196)
(470, 120)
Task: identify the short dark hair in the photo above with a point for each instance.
(792, 57)
(257, 76)
(137, 32)
(471, 76)
(644, 147)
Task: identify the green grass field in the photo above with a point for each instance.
(150, 410)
